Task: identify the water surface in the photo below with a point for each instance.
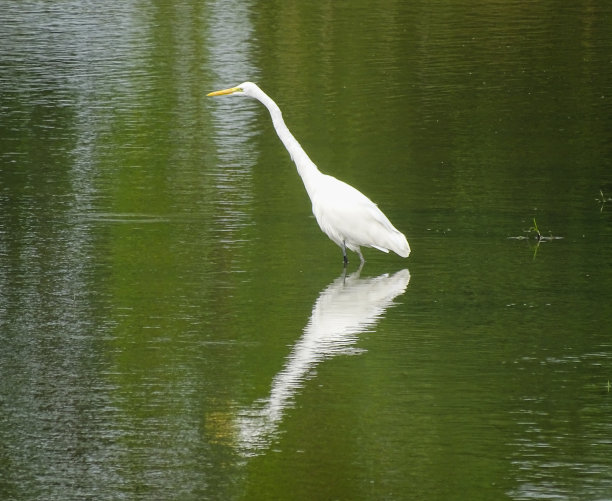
(173, 323)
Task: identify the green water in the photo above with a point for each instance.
(173, 323)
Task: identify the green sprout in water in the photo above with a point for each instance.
(602, 200)
(536, 229)
(538, 237)
(538, 234)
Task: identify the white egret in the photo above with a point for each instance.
(345, 215)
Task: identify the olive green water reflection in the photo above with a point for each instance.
(175, 326)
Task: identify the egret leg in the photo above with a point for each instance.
(359, 269)
(344, 256)
(360, 256)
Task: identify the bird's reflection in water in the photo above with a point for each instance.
(348, 306)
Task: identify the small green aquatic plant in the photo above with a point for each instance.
(538, 234)
(536, 229)
(538, 237)
(602, 200)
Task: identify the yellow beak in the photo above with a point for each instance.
(224, 92)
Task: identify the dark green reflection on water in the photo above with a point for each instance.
(160, 267)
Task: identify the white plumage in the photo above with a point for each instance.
(345, 215)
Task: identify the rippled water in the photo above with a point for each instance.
(175, 326)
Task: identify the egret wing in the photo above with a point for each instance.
(347, 215)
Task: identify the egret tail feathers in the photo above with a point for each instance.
(396, 242)
(399, 244)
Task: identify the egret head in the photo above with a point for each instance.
(244, 89)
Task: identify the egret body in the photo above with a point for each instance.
(345, 215)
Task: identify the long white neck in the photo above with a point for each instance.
(306, 168)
